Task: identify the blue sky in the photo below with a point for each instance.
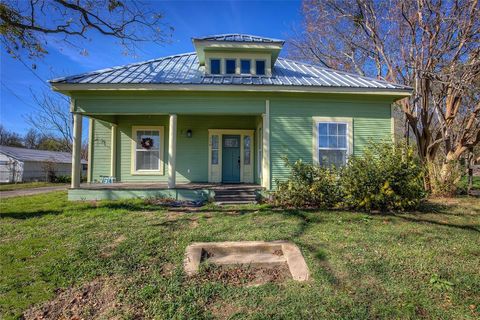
(189, 18)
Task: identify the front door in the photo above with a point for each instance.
(231, 159)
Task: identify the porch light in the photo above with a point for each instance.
(189, 133)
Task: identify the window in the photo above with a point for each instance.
(244, 66)
(260, 67)
(246, 150)
(215, 149)
(230, 66)
(259, 151)
(148, 146)
(332, 143)
(215, 66)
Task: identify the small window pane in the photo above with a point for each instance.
(342, 141)
(332, 129)
(214, 142)
(245, 66)
(230, 66)
(260, 67)
(330, 158)
(246, 143)
(230, 142)
(215, 156)
(215, 66)
(342, 128)
(323, 142)
(332, 141)
(322, 129)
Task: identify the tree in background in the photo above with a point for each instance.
(9, 138)
(432, 46)
(24, 25)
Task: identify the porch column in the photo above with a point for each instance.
(76, 150)
(113, 151)
(172, 150)
(266, 147)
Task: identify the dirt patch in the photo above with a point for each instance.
(225, 310)
(244, 275)
(95, 299)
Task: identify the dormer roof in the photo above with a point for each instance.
(235, 42)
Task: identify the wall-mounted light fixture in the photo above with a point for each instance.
(189, 133)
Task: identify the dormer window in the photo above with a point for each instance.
(215, 66)
(230, 66)
(260, 67)
(245, 66)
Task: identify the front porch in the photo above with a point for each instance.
(182, 191)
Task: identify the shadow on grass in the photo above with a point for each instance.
(23, 215)
(439, 223)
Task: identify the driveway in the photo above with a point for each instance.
(29, 192)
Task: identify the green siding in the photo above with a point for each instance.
(291, 127)
(101, 149)
(192, 153)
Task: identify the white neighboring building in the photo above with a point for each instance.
(21, 164)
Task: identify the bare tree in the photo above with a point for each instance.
(24, 24)
(9, 138)
(53, 120)
(432, 46)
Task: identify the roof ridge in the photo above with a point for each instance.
(343, 72)
(237, 34)
(115, 68)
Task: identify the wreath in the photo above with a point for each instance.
(147, 143)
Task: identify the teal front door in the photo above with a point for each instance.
(231, 159)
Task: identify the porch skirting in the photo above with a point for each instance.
(182, 192)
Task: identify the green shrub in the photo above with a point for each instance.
(62, 179)
(308, 186)
(386, 177)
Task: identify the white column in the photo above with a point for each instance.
(172, 150)
(76, 150)
(113, 151)
(266, 147)
(90, 150)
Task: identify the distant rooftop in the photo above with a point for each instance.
(236, 37)
(24, 154)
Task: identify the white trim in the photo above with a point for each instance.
(399, 93)
(172, 150)
(246, 170)
(76, 150)
(317, 120)
(133, 158)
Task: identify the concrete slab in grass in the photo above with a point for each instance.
(247, 252)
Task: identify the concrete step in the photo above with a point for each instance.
(233, 202)
(235, 196)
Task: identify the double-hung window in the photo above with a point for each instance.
(148, 147)
(332, 143)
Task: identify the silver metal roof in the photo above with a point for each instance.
(185, 69)
(236, 37)
(23, 154)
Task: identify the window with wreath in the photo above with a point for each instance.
(147, 149)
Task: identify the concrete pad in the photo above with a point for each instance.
(247, 252)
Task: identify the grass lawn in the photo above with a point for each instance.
(26, 185)
(415, 265)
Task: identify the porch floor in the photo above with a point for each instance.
(162, 186)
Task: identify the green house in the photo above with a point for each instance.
(225, 114)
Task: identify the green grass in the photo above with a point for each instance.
(396, 266)
(26, 185)
(464, 183)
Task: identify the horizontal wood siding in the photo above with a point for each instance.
(100, 157)
(291, 127)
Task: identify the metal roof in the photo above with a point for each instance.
(185, 69)
(23, 154)
(236, 37)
